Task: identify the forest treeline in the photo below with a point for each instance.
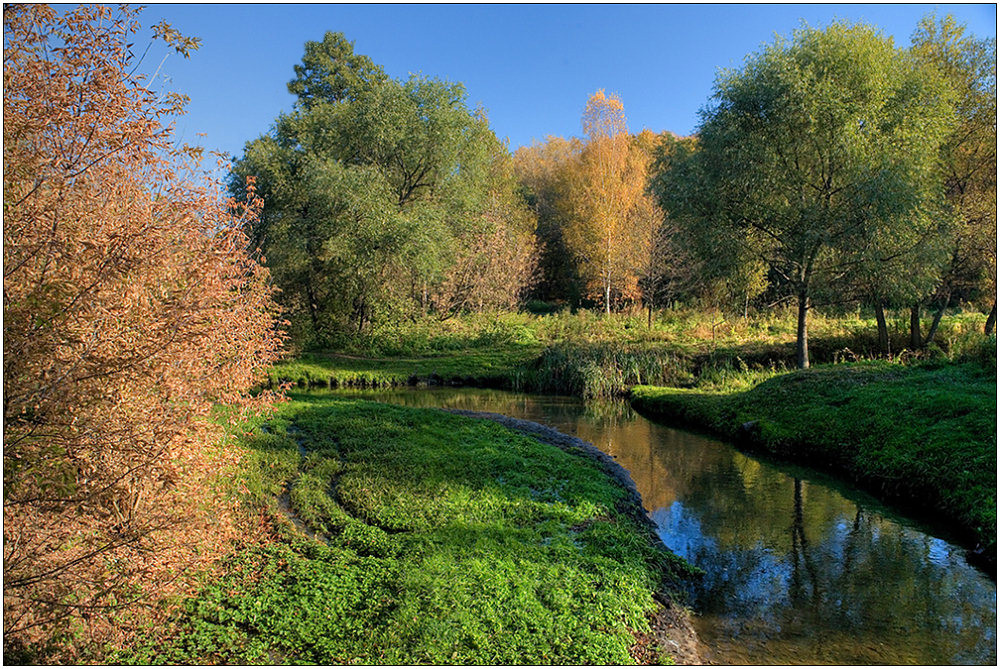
(832, 170)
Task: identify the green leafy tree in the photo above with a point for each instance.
(813, 151)
(374, 191)
(331, 72)
(968, 169)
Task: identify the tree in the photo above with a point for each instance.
(819, 147)
(543, 171)
(132, 305)
(496, 258)
(612, 216)
(332, 72)
(968, 168)
(375, 190)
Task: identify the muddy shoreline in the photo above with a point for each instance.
(671, 624)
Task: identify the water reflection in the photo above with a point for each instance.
(796, 572)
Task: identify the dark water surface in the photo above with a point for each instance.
(800, 569)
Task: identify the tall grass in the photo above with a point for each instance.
(592, 355)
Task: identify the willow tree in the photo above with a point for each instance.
(608, 231)
(817, 148)
(376, 191)
(968, 162)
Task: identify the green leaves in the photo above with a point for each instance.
(332, 72)
(375, 191)
(817, 157)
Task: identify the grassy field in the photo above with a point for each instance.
(408, 536)
(923, 435)
(590, 355)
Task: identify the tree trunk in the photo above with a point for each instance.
(311, 298)
(649, 318)
(934, 324)
(607, 298)
(991, 320)
(802, 334)
(916, 342)
(883, 331)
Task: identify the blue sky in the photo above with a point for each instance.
(531, 66)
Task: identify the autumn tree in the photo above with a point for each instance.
(968, 166)
(612, 214)
(132, 305)
(544, 172)
(818, 148)
(496, 255)
(375, 191)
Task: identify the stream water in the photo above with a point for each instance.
(799, 569)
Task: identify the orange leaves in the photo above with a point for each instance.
(609, 231)
(132, 304)
(604, 116)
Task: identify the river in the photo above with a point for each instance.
(800, 569)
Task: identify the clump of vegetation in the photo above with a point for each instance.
(924, 435)
(384, 199)
(435, 539)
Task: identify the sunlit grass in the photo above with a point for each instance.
(592, 355)
(429, 538)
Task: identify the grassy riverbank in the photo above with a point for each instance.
(591, 355)
(406, 536)
(923, 435)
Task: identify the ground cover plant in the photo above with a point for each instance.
(924, 435)
(415, 536)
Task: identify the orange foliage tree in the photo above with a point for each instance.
(543, 171)
(614, 220)
(132, 304)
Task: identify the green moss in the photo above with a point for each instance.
(923, 435)
(449, 541)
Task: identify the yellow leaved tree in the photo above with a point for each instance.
(613, 218)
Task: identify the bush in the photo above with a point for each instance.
(131, 307)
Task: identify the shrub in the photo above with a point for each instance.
(131, 306)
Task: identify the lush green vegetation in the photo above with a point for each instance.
(834, 168)
(924, 434)
(423, 537)
(590, 355)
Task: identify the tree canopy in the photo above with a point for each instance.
(818, 157)
(376, 192)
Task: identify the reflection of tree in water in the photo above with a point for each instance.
(802, 559)
(796, 573)
(865, 578)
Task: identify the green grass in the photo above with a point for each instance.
(923, 435)
(424, 537)
(592, 356)
(471, 367)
